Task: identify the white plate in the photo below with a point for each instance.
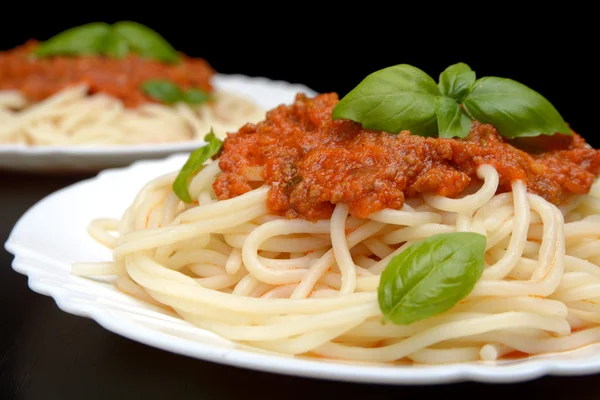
(53, 234)
(265, 92)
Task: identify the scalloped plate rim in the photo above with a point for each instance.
(29, 262)
(73, 158)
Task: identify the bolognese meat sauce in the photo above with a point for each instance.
(312, 162)
(40, 78)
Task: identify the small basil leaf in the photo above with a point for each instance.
(194, 164)
(146, 42)
(513, 108)
(456, 81)
(196, 96)
(451, 119)
(431, 276)
(88, 39)
(163, 91)
(115, 45)
(392, 99)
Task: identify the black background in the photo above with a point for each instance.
(46, 353)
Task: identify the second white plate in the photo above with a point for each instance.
(265, 92)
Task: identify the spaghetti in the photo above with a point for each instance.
(300, 287)
(312, 235)
(120, 84)
(72, 117)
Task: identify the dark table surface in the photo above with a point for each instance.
(46, 353)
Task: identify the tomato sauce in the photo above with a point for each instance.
(312, 162)
(40, 78)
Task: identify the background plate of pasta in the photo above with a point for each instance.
(98, 96)
(328, 240)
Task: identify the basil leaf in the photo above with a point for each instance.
(194, 164)
(146, 42)
(115, 45)
(392, 99)
(456, 81)
(513, 108)
(431, 276)
(451, 119)
(196, 96)
(162, 90)
(88, 39)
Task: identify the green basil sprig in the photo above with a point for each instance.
(168, 92)
(431, 276)
(145, 42)
(392, 99)
(85, 40)
(195, 164)
(456, 81)
(451, 119)
(117, 40)
(513, 108)
(115, 45)
(403, 97)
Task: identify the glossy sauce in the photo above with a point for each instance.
(311, 163)
(40, 78)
